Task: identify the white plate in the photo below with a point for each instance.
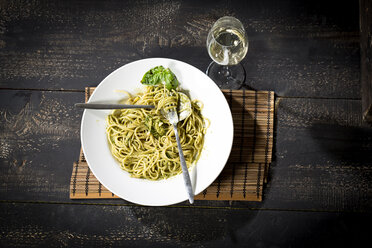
(217, 146)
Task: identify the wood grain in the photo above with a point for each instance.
(39, 132)
(94, 225)
(295, 49)
(366, 57)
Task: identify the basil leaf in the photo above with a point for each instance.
(170, 79)
(159, 75)
(153, 76)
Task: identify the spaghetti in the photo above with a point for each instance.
(143, 141)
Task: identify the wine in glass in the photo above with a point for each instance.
(227, 45)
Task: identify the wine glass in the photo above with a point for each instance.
(227, 45)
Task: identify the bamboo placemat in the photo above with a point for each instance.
(245, 173)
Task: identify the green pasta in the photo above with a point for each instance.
(143, 141)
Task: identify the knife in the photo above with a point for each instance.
(110, 106)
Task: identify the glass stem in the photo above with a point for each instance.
(225, 71)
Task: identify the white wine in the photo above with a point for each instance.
(228, 47)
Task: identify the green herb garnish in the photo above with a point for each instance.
(160, 75)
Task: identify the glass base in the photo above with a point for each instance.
(227, 77)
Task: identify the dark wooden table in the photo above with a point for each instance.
(319, 192)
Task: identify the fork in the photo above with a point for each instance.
(172, 117)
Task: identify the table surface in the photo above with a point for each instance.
(319, 190)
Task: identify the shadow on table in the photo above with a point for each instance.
(344, 144)
(323, 130)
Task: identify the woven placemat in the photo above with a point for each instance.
(246, 170)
